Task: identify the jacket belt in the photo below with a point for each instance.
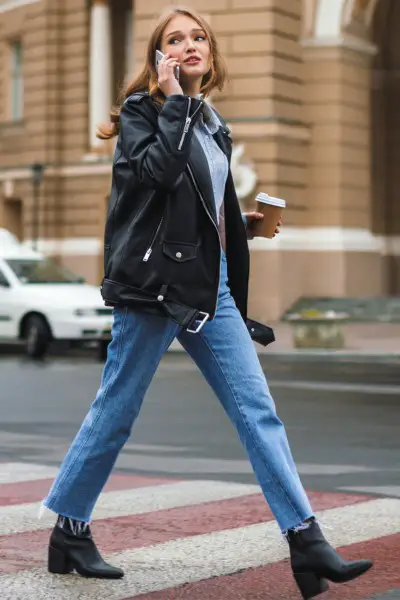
(190, 319)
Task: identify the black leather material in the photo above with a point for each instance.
(310, 553)
(262, 334)
(161, 227)
(68, 552)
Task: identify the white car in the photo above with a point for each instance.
(40, 301)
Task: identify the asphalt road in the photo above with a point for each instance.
(342, 418)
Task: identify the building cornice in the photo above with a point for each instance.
(348, 42)
(329, 239)
(310, 240)
(6, 5)
(83, 169)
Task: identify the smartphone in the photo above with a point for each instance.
(159, 57)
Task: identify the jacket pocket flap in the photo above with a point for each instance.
(180, 251)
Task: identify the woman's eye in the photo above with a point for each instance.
(175, 41)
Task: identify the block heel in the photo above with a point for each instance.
(310, 585)
(58, 562)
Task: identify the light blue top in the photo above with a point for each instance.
(206, 126)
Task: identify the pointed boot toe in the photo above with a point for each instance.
(350, 570)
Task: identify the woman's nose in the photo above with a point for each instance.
(190, 45)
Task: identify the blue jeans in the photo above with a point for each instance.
(224, 352)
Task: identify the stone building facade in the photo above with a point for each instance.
(312, 95)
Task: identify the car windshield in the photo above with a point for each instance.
(41, 271)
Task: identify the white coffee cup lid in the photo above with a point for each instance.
(261, 197)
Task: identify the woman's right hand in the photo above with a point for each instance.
(167, 81)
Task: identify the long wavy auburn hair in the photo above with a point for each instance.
(147, 79)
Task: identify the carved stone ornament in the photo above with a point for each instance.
(361, 4)
(356, 17)
(359, 13)
(244, 175)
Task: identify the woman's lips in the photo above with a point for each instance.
(192, 61)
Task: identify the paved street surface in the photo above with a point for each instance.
(182, 513)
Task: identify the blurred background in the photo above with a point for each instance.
(312, 102)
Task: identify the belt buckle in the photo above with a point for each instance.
(200, 326)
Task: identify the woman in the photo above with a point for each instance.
(177, 266)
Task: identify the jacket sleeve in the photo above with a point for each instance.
(158, 156)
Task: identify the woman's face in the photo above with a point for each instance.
(185, 40)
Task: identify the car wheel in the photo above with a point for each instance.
(37, 336)
(102, 350)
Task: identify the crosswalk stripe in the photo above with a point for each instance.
(23, 472)
(275, 580)
(34, 491)
(27, 550)
(203, 556)
(19, 518)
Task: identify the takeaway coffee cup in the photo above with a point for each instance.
(272, 209)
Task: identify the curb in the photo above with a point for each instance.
(332, 357)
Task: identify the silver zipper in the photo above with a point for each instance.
(187, 123)
(216, 229)
(150, 248)
(185, 130)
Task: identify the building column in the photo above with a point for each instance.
(338, 109)
(100, 68)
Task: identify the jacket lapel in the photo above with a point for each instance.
(223, 137)
(201, 172)
(224, 141)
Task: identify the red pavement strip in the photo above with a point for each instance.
(34, 491)
(28, 550)
(275, 582)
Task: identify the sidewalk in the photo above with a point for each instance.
(362, 340)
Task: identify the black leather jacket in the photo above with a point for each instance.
(162, 248)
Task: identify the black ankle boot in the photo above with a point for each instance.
(314, 561)
(71, 549)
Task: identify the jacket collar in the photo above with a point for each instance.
(212, 116)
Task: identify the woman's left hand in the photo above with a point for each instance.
(254, 216)
(278, 230)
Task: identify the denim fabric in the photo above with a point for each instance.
(224, 352)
